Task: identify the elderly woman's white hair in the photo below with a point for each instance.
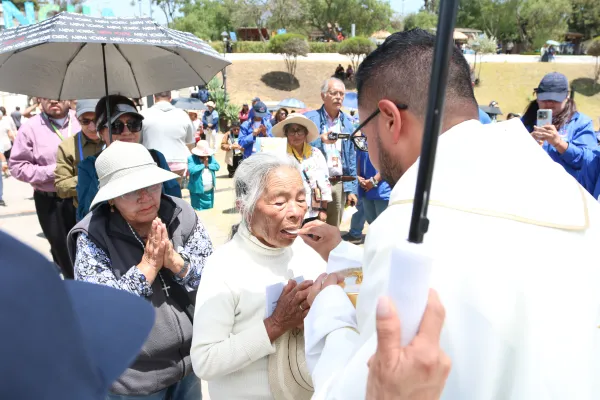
(250, 179)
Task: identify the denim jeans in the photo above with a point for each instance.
(189, 388)
(373, 208)
(367, 210)
(357, 223)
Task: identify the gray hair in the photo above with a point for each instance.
(326, 82)
(250, 179)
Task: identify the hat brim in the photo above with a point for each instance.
(262, 115)
(552, 96)
(313, 132)
(200, 154)
(82, 111)
(136, 180)
(106, 314)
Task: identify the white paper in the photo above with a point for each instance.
(409, 283)
(274, 292)
(272, 145)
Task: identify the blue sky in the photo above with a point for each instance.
(123, 7)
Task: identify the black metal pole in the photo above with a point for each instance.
(106, 92)
(433, 120)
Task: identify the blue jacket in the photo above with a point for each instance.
(348, 149)
(196, 166)
(587, 172)
(367, 170)
(484, 118)
(215, 116)
(87, 183)
(579, 133)
(246, 139)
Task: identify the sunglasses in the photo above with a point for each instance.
(295, 132)
(133, 126)
(85, 121)
(360, 142)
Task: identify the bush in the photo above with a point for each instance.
(356, 48)
(251, 47)
(323, 47)
(218, 46)
(594, 51)
(290, 45)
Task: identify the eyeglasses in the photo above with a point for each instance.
(134, 126)
(136, 194)
(295, 132)
(360, 142)
(86, 122)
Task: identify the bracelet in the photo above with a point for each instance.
(186, 265)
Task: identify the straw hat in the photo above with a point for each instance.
(295, 118)
(203, 149)
(126, 167)
(210, 104)
(289, 378)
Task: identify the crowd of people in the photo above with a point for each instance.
(264, 316)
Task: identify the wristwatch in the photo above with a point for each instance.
(186, 265)
(374, 182)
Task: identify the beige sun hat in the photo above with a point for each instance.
(203, 149)
(210, 104)
(295, 118)
(126, 167)
(289, 378)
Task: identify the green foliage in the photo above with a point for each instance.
(231, 113)
(594, 50)
(585, 17)
(170, 8)
(206, 19)
(278, 42)
(251, 47)
(422, 19)
(356, 49)
(323, 47)
(484, 44)
(290, 45)
(217, 94)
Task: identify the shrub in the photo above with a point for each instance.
(594, 51)
(356, 49)
(290, 45)
(323, 47)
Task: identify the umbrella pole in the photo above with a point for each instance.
(106, 92)
(433, 120)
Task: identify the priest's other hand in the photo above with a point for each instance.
(321, 283)
(415, 372)
(323, 238)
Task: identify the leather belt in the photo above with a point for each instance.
(47, 194)
(341, 178)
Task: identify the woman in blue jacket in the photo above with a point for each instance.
(258, 126)
(127, 127)
(570, 132)
(202, 167)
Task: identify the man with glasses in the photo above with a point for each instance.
(340, 154)
(522, 305)
(70, 153)
(33, 160)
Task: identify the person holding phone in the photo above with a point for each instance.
(258, 126)
(569, 132)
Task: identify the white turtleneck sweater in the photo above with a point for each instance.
(230, 346)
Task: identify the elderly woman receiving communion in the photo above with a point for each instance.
(252, 297)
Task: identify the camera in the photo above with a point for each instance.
(336, 136)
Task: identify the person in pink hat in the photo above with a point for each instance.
(202, 167)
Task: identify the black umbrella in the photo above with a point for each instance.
(433, 120)
(69, 55)
(189, 103)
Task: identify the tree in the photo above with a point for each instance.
(423, 19)
(206, 18)
(286, 14)
(482, 45)
(540, 20)
(594, 50)
(251, 13)
(169, 8)
(356, 48)
(290, 45)
(585, 17)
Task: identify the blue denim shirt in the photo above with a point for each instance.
(348, 149)
(367, 171)
(215, 116)
(246, 139)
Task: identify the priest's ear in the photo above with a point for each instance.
(392, 120)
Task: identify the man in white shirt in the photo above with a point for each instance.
(169, 130)
(513, 248)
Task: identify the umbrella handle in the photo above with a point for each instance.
(106, 92)
(419, 223)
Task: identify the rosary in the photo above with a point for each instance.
(165, 288)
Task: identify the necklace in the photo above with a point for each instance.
(165, 288)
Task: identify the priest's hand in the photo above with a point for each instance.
(415, 372)
(323, 238)
(321, 283)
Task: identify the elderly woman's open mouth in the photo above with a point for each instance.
(290, 232)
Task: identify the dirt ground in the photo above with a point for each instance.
(510, 84)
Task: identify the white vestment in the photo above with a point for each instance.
(514, 241)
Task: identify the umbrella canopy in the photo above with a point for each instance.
(62, 58)
(459, 36)
(291, 103)
(350, 100)
(552, 42)
(188, 103)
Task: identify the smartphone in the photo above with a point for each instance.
(544, 117)
(332, 136)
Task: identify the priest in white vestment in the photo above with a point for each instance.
(513, 239)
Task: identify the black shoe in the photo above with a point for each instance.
(2, 203)
(352, 239)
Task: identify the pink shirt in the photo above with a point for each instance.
(33, 156)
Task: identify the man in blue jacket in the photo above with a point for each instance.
(340, 154)
(257, 126)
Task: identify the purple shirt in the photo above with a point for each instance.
(33, 156)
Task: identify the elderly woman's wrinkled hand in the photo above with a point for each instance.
(154, 253)
(291, 309)
(323, 238)
(415, 372)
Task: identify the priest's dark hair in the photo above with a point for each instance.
(400, 69)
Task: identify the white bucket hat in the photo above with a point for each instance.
(203, 149)
(126, 167)
(295, 118)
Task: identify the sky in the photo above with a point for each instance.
(123, 8)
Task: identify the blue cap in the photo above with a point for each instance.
(86, 106)
(256, 99)
(554, 86)
(72, 338)
(260, 110)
